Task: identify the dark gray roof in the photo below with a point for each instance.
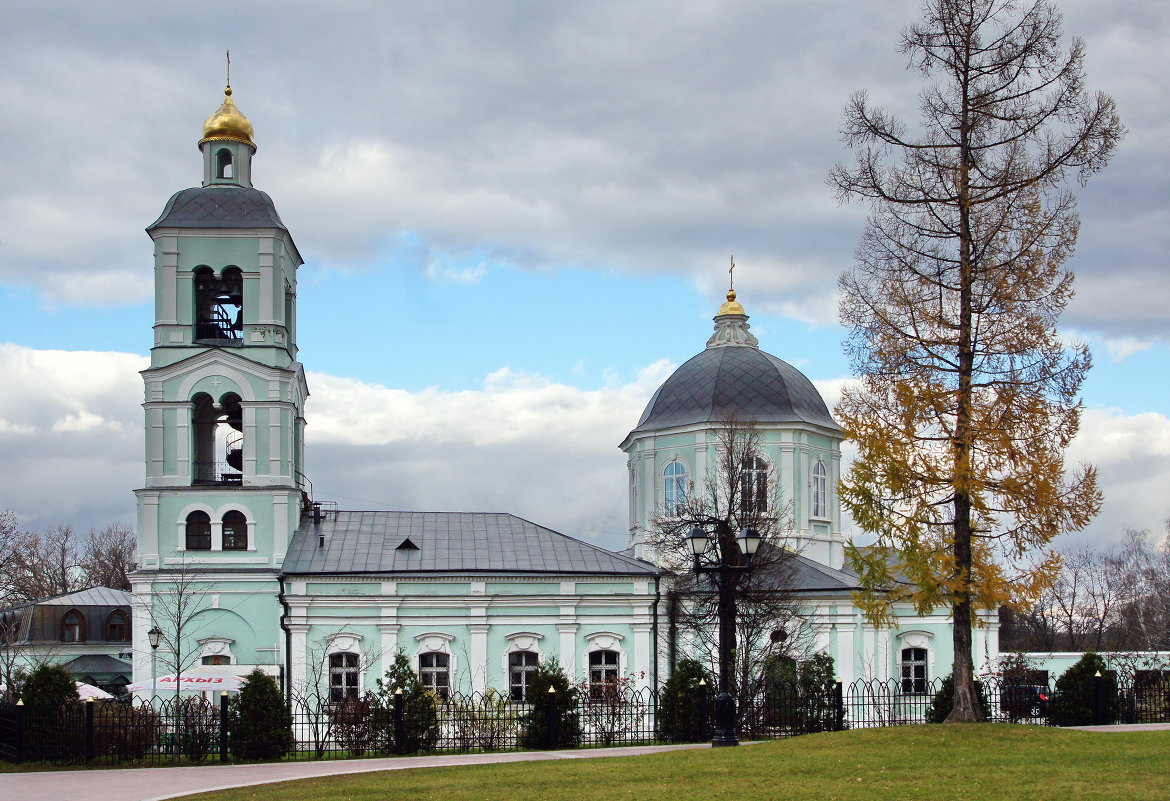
(446, 542)
(96, 663)
(735, 381)
(809, 576)
(94, 596)
(219, 206)
(801, 576)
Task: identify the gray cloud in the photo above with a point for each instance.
(648, 137)
(71, 447)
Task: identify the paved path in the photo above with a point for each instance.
(1125, 727)
(154, 784)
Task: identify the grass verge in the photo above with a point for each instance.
(983, 762)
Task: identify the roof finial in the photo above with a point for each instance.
(228, 54)
(731, 327)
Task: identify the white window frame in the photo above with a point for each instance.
(920, 641)
(434, 642)
(181, 538)
(819, 481)
(674, 487)
(343, 642)
(605, 641)
(217, 522)
(762, 468)
(521, 641)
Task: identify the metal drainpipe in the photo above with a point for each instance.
(672, 633)
(287, 641)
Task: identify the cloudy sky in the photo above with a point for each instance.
(516, 218)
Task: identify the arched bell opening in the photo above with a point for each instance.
(219, 305)
(219, 439)
(223, 163)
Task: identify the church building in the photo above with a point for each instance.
(240, 566)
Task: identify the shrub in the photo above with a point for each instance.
(684, 711)
(484, 721)
(816, 702)
(611, 709)
(197, 724)
(52, 715)
(420, 713)
(124, 731)
(1082, 698)
(49, 685)
(259, 719)
(551, 721)
(944, 700)
(353, 724)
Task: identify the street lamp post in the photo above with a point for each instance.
(722, 563)
(155, 637)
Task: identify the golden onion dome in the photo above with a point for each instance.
(227, 123)
(732, 306)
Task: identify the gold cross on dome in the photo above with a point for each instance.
(731, 274)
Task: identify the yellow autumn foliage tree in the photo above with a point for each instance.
(968, 396)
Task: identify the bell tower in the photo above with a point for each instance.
(225, 393)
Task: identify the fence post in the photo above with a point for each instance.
(18, 730)
(223, 726)
(704, 706)
(399, 722)
(1098, 712)
(88, 730)
(550, 718)
(839, 705)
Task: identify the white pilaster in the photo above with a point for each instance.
(642, 651)
(479, 663)
(846, 648)
(568, 644)
(297, 670)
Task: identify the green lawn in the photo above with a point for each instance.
(965, 763)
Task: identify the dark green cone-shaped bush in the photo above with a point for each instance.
(1082, 698)
(684, 714)
(552, 720)
(259, 720)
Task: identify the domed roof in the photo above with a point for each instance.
(227, 123)
(735, 381)
(733, 378)
(219, 206)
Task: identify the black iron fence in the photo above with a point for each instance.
(194, 730)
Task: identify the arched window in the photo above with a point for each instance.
(117, 627)
(753, 486)
(674, 490)
(820, 490)
(521, 666)
(913, 666)
(198, 531)
(434, 671)
(219, 303)
(603, 672)
(343, 676)
(235, 531)
(223, 163)
(73, 627)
